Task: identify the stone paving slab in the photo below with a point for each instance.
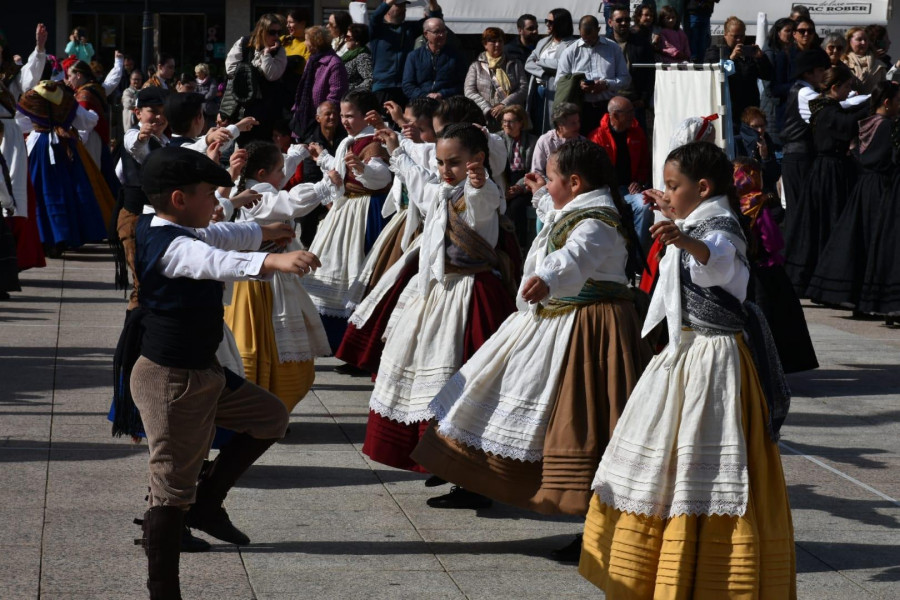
(327, 523)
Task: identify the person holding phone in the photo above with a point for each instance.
(79, 46)
(750, 64)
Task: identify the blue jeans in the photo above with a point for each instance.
(697, 30)
(643, 217)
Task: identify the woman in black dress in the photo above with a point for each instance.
(880, 293)
(838, 278)
(830, 180)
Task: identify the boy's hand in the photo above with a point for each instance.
(218, 215)
(246, 198)
(534, 181)
(477, 175)
(315, 150)
(214, 152)
(219, 135)
(280, 233)
(299, 263)
(534, 290)
(236, 163)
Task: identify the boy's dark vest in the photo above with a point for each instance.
(182, 322)
(796, 136)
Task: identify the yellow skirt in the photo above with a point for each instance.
(751, 557)
(250, 318)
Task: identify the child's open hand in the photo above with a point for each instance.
(477, 175)
(534, 181)
(246, 198)
(535, 290)
(280, 233)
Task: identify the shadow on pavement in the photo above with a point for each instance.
(867, 512)
(855, 380)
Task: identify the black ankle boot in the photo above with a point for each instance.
(460, 498)
(207, 514)
(434, 481)
(570, 552)
(162, 539)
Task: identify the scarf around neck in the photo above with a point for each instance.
(497, 71)
(666, 300)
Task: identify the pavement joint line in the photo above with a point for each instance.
(840, 473)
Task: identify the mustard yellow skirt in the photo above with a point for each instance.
(250, 318)
(751, 557)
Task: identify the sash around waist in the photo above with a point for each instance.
(593, 292)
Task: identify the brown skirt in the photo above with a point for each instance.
(390, 254)
(604, 361)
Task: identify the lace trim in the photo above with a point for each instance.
(356, 292)
(489, 446)
(650, 508)
(357, 320)
(402, 415)
(726, 465)
(287, 357)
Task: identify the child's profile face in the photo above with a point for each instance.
(452, 158)
(197, 206)
(273, 176)
(559, 187)
(352, 118)
(681, 195)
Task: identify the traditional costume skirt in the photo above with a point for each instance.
(68, 211)
(250, 318)
(105, 189)
(428, 339)
(775, 296)
(838, 277)
(342, 241)
(526, 420)
(386, 251)
(815, 215)
(690, 498)
(29, 252)
(880, 290)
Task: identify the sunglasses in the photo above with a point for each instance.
(548, 22)
(623, 20)
(274, 32)
(803, 31)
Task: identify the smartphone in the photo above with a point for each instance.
(749, 51)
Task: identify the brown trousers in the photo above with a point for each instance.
(180, 409)
(125, 226)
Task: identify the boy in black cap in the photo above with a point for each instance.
(176, 383)
(138, 143)
(184, 111)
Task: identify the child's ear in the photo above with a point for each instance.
(177, 199)
(704, 188)
(575, 181)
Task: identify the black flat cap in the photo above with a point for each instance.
(172, 168)
(150, 96)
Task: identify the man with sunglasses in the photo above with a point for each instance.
(522, 47)
(637, 50)
(603, 65)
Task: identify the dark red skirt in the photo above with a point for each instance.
(390, 442)
(362, 348)
(29, 251)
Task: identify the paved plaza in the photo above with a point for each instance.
(328, 524)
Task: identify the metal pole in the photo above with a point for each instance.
(147, 38)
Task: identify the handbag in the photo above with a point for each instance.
(241, 88)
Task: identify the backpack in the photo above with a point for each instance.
(242, 87)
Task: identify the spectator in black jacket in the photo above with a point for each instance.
(750, 64)
(637, 50)
(780, 41)
(522, 47)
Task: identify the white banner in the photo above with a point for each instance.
(470, 16)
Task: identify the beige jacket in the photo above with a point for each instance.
(481, 88)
